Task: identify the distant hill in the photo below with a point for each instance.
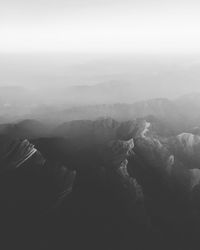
(162, 109)
(24, 129)
(114, 100)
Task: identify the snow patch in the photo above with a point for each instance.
(170, 163)
(195, 177)
(146, 129)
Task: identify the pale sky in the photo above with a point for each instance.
(100, 26)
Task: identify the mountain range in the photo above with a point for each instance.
(104, 176)
(128, 183)
(116, 100)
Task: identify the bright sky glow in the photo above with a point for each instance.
(99, 26)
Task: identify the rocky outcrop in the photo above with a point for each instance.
(186, 148)
(129, 190)
(16, 153)
(23, 162)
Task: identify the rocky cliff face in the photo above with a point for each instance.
(20, 158)
(120, 151)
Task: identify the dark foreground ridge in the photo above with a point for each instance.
(112, 186)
